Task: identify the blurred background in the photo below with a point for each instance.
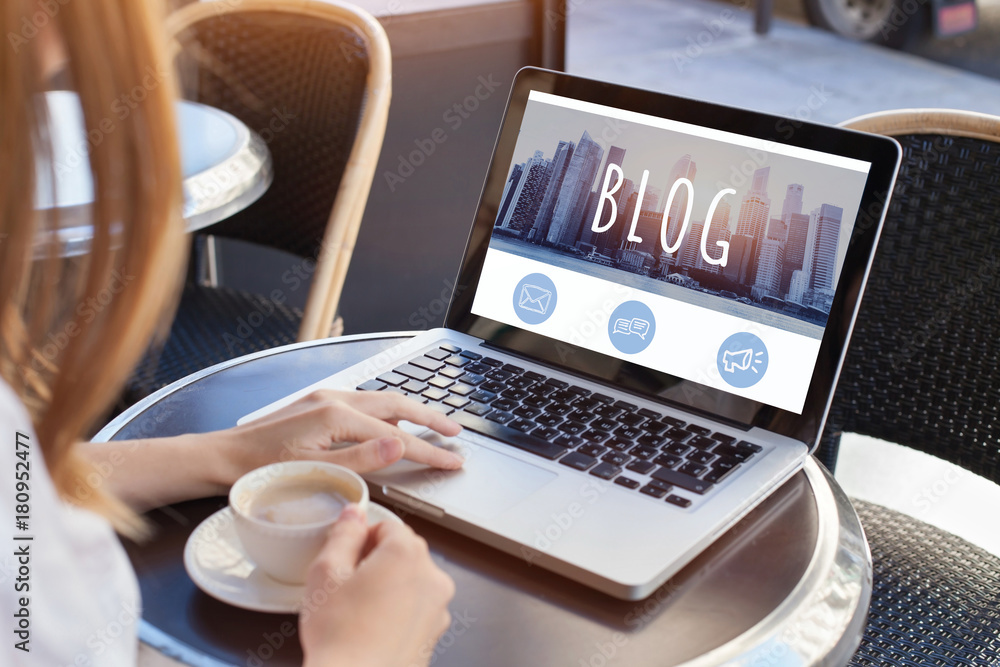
(453, 62)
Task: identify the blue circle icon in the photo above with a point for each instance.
(742, 360)
(631, 327)
(535, 298)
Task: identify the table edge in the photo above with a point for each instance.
(823, 619)
(830, 602)
(118, 423)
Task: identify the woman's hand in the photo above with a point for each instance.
(374, 597)
(154, 472)
(308, 428)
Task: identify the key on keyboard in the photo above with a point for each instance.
(590, 432)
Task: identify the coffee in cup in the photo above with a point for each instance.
(309, 498)
(283, 512)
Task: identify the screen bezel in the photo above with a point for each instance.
(882, 152)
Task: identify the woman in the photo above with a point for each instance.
(61, 366)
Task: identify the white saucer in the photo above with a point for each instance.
(216, 562)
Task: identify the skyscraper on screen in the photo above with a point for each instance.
(769, 268)
(793, 201)
(823, 274)
(567, 215)
(528, 195)
(755, 209)
(795, 249)
(560, 161)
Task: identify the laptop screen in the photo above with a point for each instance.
(677, 248)
(700, 253)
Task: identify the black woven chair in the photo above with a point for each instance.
(313, 80)
(923, 370)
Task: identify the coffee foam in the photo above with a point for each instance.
(313, 497)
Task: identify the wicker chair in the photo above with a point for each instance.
(313, 79)
(923, 370)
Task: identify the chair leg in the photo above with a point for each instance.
(762, 17)
(211, 275)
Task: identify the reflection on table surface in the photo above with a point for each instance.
(226, 166)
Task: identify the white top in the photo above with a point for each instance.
(82, 596)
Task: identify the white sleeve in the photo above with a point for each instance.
(65, 581)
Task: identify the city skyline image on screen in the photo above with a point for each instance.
(700, 253)
(709, 222)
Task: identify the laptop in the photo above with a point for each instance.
(646, 330)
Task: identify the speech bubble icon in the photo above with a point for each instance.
(639, 327)
(622, 326)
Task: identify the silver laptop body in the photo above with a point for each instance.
(591, 507)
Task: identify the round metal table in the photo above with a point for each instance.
(226, 167)
(789, 585)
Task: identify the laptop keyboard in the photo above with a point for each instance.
(636, 448)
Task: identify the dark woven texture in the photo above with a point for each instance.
(936, 598)
(299, 83)
(923, 367)
(213, 324)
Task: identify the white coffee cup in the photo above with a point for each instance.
(284, 549)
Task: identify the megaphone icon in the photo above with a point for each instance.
(737, 360)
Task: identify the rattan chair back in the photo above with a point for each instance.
(313, 80)
(923, 366)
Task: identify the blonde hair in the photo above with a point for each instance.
(71, 330)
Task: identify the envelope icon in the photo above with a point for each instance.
(534, 298)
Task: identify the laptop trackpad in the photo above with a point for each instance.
(488, 483)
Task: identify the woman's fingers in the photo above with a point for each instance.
(343, 549)
(352, 424)
(421, 451)
(390, 406)
(370, 455)
(325, 417)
